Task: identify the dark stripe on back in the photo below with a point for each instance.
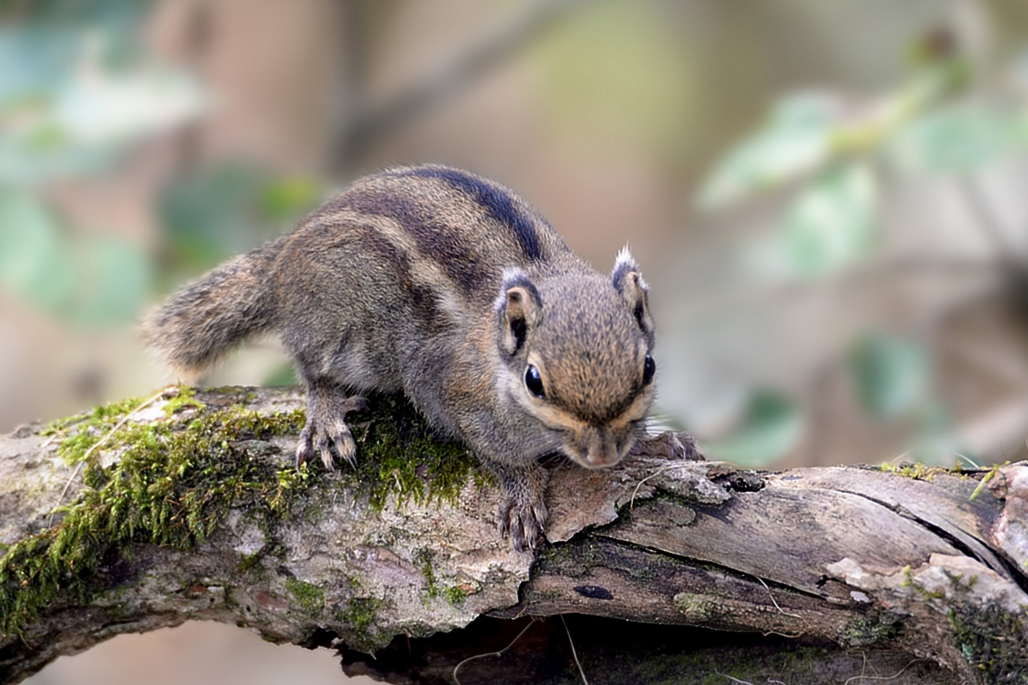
(433, 240)
(495, 199)
(422, 298)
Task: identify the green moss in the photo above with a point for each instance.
(109, 413)
(919, 471)
(249, 562)
(90, 427)
(702, 608)
(548, 595)
(399, 455)
(175, 480)
(993, 642)
(310, 597)
(360, 616)
(423, 562)
(926, 594)
(988, 476)
(455, 595)
(871, 627)
(186, 397)
(172, 485)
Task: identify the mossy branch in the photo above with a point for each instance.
(143, 514)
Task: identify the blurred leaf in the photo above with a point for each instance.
(35, 58)
(94, 280)
(107, 107)
(46, 154)
(284, 376)
(75, 91)
(936, 443)
(771, 427)
(1021, 128)
(218, 212)
(807, 132)
(113, 281)
(795, 140)
(283, 201)
(891, 375)
(32, 260)
(83, 14)
(211, 215)
(956, 139)
(832, 221)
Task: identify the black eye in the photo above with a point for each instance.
(534, 382)
(649, 368)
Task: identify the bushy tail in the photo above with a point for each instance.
(211, 316)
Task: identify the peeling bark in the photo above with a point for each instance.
(844, 563)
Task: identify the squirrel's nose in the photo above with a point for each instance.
(602, 452)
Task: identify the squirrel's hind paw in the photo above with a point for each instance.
(320, 439)
(326, 430)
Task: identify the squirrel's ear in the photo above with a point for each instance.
(630, 285)
(518, 308)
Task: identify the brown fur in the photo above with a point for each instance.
(445, 286)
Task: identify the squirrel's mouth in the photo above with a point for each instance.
(599, 464)
(597, 455)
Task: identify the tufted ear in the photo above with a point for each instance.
(519, 309)
(630, 285)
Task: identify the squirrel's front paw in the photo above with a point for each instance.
(523, 522)
(326, 429)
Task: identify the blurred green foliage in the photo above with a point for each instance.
(284, 376)
(32, 261)
(771, 425)
(797, 138)
(832, 221)
(78, 90)
(891, 375)
(213, 213)
(959, 138)
(632, 91)
(88, 280)
(831, 150)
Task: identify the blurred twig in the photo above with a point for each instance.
(365, 124)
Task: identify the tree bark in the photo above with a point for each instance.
(143, 515)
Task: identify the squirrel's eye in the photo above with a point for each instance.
(534, 382)
(649, 368)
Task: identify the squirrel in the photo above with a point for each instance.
(451, 289)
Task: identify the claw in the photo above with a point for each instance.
(324, 450)
(303, 453)
(522, 522)
(339, 435)
(326, 429)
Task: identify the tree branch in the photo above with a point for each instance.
(192, 510)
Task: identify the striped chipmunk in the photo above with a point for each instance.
(449, 288)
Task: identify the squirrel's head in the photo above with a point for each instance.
(577, 350)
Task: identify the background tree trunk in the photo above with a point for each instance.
(140, 515)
